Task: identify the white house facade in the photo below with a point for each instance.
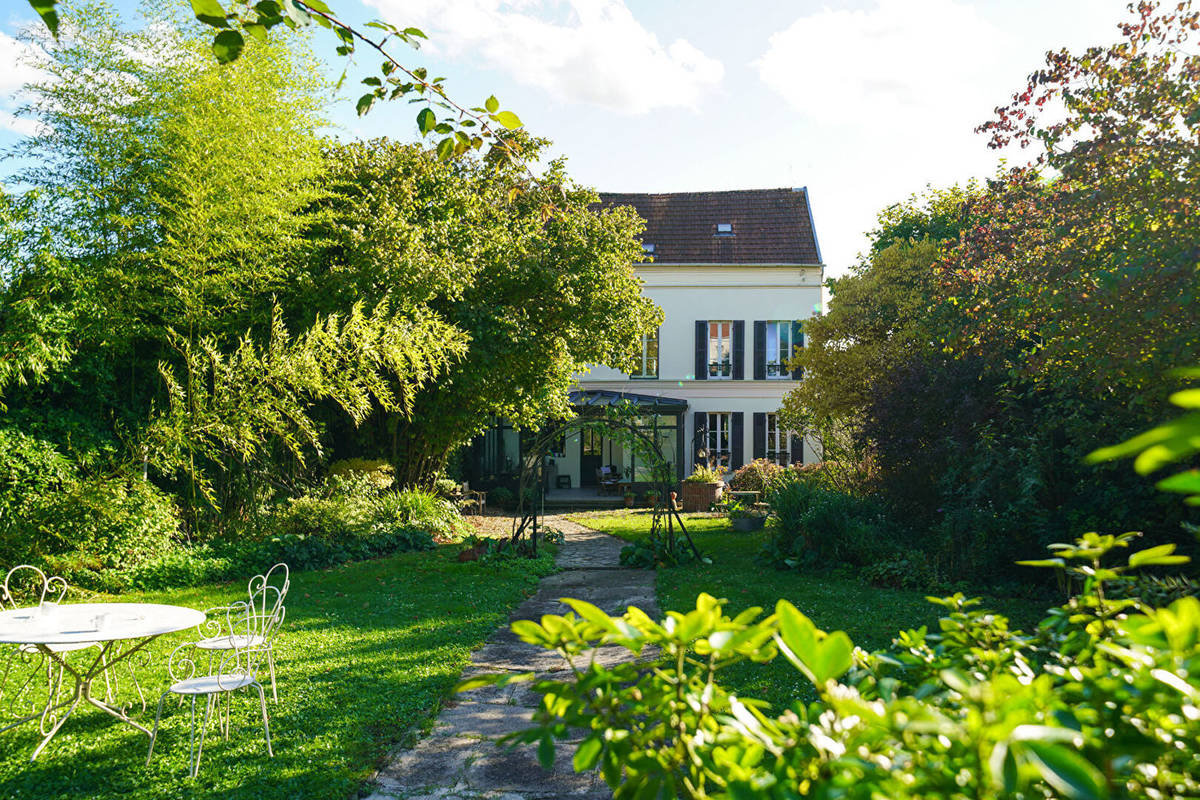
(736, 273)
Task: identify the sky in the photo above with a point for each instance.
(863, 102)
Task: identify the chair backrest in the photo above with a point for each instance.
(27, 585)
(267, 592)
(250, 631)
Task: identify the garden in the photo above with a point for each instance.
(221, 350)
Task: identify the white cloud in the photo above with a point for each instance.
(15, 72)
(592, 51)
(15, 69)
(902, 56)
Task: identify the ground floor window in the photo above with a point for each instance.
(501, 451)
(719, 438)
(778, 442)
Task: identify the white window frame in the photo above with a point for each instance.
(779, 442)
(779, 352)
(719, 439)
(720, 341)
(645, 359)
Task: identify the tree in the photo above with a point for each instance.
(462, 128)
(540, 281)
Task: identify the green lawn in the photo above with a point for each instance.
(367, 654)
(870, 615)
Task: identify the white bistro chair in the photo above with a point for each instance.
(266, 596)
(250, 635)
(28, 586)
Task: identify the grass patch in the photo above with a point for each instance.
(367, 654)
(871, 616)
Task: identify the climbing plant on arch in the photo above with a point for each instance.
(669, 542)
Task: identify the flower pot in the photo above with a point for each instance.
(746, 524)
(699, 496)
(629, 501)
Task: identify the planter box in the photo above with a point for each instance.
(748, 523)
(699, 496)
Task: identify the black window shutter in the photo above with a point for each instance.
(760, 434)
(797, 450)
(739, 350)
(701, 350)
(760, 350)
(737, 432)
(700, 440)
(797, 342)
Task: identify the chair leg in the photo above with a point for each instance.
(208, 707)
(271, 664)
(262, 701)
(154, 735)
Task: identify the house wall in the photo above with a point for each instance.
(711, 292)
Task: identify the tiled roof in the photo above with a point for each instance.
(770, 226)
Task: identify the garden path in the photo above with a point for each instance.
(459, 759)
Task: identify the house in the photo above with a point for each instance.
(736, 273)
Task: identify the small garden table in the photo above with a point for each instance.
(111, 625)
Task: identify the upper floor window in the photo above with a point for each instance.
(647, 363)
(720, 349)
(779, 348)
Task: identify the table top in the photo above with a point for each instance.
(77, 623)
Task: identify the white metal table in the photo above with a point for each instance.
(121, 629)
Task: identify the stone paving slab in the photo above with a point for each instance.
(460, 759)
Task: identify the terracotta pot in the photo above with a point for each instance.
(700, 496)
(629, 501)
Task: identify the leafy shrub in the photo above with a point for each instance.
(502, 497)
(1099, 702)
(379, 474)
(333, 519)
(705, 474)
(1156, 592)
(446, 487)
(760, 475)
(419, 511)
(820, 527)
(102, 524)
(907, 570)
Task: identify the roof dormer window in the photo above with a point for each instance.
(724, 229)
(647, 248)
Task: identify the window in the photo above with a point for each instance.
(718, 438)
(779, 348)
(720, 349)
(778, 442)
(724, 229)
(648, 248)
(647, 363)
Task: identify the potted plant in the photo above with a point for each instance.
(651, 498)
(702, 488)
(745, 518)
(629, 498)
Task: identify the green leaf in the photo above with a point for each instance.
(417, 32)
(588, 753)
(227, 46)
(492, 104)
(257, 31)
(1186, 482)
(1066, 771)
(1188, 398)
(1044, 562)
(509, 120)
(426, 120)
(445, 148)
(317, 5)
(45, 10)
(545, 752)
(1156, 556)
(210, 12)
(364, 104)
